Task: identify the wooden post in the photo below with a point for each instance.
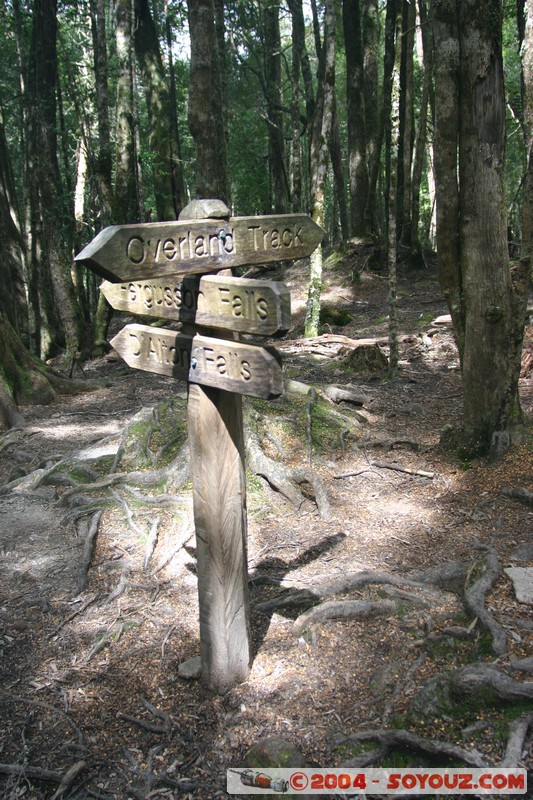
(219, 496)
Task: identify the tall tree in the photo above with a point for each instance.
(206, 120)
(322, 126)
(164, 147)
(487, 301)
(274, 111)
(51, 217)
(127, 201)
(356, 120)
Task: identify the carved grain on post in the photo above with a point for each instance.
(219, 494)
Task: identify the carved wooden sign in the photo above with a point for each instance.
(157, 249)
(246, 305)
(220, 363)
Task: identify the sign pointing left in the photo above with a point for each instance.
(158, 249)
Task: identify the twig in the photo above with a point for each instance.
(311, 399)
(27, 771)
(151, 542)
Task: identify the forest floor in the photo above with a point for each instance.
(91, 702)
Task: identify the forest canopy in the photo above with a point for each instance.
(374, 117)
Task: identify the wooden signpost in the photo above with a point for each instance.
(246, 305)
(158, 249)
(158, 270)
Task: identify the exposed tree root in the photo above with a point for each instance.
(475, 602)
(521, 494)
(483, 679)
(392, 739)
(286, 480)
(514, 750)
(346, 609)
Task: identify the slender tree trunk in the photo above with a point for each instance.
(178, 176)
(164, 148)
(338, 174)
(127, 205)
(446, 37)
(370, 35)
(276, 137)
(385, 110)
(392, 145)
(103, 160)
(355, 95)
(42, 87)
(406, 120)
(417, 256)
(488, 302)
(12, 246)
(319, 163)
(205, 104)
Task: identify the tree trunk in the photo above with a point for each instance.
(355, 95)
(12, 246)
(370, 34)
(205, 104)
(392, 145)
(276, 138)
(103, 161)
(48, 191)
(337, 165)
(406, 121)
(163, 146)
(127, 205)
(319, 162)
(417, 256)
(487, 301)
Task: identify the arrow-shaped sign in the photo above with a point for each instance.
(156, 249)
(220, 363)
(239, 304)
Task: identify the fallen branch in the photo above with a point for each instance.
(87, 555)
(35, 773)
(420, 473)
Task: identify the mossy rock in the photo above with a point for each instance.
(333, 315)
(273, 753)
(367, 358)
(433, 699)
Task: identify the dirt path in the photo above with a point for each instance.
(90, 680)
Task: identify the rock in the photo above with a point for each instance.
(273, 753)
(384, 678)
(205, 209)
(523, 552)
(433, 699)
(190, 669)
(522, 578)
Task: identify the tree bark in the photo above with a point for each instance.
(205, 104)
(161, 137)
(127, 205)
(356, 121)
(48, 193)
(276, 138)
(486, 301)
(319, 162)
